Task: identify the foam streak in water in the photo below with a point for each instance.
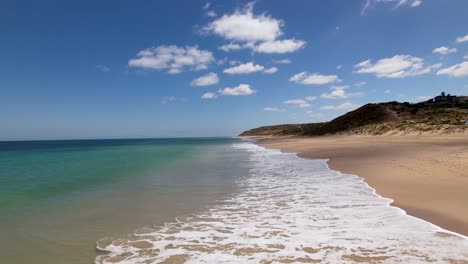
(293, 210)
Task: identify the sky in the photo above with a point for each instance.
(133, 69)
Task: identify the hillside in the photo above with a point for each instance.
(381, 118)
(269, 130)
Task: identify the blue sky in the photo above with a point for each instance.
(118, 69)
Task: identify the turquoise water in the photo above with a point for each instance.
(57, 198)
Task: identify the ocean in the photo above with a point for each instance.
(214, 200)
(58, 198)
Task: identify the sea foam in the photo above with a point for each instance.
(293, 210)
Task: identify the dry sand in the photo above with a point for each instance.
(427, 176)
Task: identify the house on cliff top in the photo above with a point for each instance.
(450, 99)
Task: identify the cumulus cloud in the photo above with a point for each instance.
(283, 61)
(205, 80)
(462, 39)
(210, 13)
(270, 70)
(243, 25)
(397, 3)
(339, 93)
(242, 89)
(279, 46)
(245, 68)
(336, 94)
(209, 96)
(298, 102)
(457, 70)
(274, 109)
(172, 58)
(343, 106)
(230, 47)
(398, 66)
(258, 32)
(314, 78)
(444, 50)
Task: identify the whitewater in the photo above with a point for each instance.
(292, 210)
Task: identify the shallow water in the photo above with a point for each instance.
(57, 198)
(291, 210)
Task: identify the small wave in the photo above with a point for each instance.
(293, 210)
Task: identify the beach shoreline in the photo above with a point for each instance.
(426, 176)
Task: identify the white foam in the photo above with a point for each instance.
(294, 209)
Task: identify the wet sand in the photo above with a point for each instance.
(427, 176)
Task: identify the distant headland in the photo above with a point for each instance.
(442, 114)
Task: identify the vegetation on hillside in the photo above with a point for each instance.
(382, 118)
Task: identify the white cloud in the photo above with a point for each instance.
(205, 80)
(279, 46)
(397, 3)
(444, 50)
(387, 91)
(416, 3)
(211, 13)
(457, 70)
(173, 59)
(465, 57)
(245, 68)
(242, 89)
(103, 68)
(398, 66)
(462, 39)
(311, 98)
(274, 109)
(298, 102)
(230, 47)
(270, 70)
(339, 67)
(314, 78)
(424, 97)
(339, 93)
(257, 32)
(244, 26)
(283, 61)
(344, 106)
(209, 96)
(360, 84)
(336, 94)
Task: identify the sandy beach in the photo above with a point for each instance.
(427, 176)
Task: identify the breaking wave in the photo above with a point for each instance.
(292, 210)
